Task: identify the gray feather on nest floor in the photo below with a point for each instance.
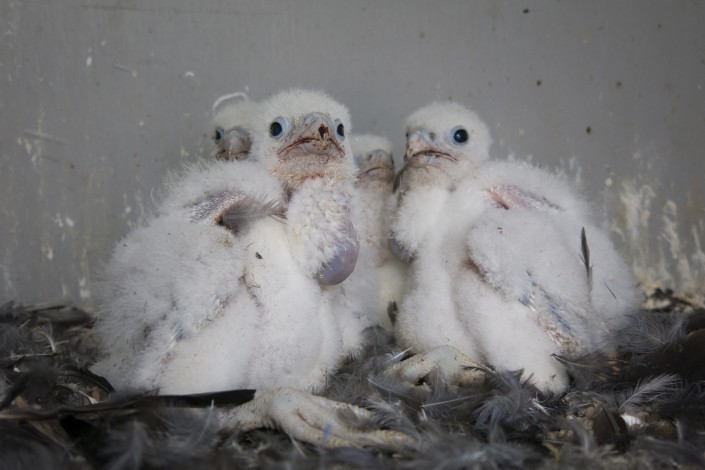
(644, 408)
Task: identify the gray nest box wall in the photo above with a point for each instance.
(100, 99)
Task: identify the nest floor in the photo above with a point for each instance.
(641, 408)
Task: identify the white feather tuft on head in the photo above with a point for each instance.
(233, 110)
(363, 143)
(229, 100)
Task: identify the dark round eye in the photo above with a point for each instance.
(218, 135)
(279, 127)
(339, 129)
(460, 135)
(276, 129)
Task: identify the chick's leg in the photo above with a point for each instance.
(455, 367)
(313, 419)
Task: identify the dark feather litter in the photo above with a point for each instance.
(643, 407)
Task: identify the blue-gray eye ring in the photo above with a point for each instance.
(278, 127)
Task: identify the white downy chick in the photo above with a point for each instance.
(379, 277)
(220, 289)
(321, 212)
(230, 127)
(435, 162)
(307, 150)
(497, 270)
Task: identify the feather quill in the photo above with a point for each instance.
(585, 257)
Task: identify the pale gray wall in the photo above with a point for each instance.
(98, 99)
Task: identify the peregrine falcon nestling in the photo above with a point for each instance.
(384, 274)
(497, 268)
(231, 126)
(221, 288)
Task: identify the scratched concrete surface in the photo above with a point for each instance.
(99, 99)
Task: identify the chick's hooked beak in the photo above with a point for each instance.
(317, 135)
(377, 165)
(423, 148)
(235, 145)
